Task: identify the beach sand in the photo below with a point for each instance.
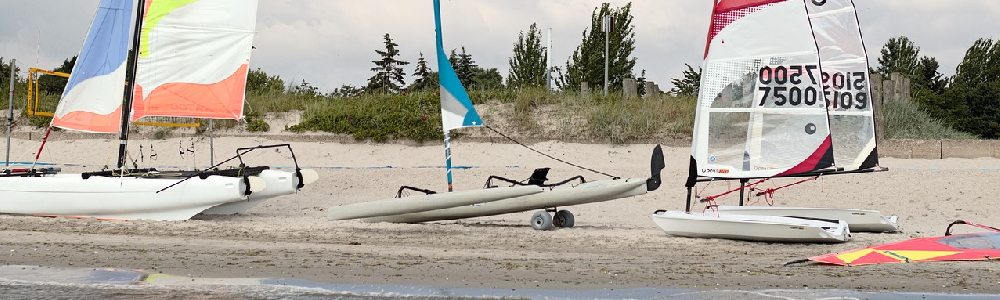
(614, 243)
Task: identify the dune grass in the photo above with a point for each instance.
(609, 119)
(905, 120)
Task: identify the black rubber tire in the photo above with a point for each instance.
(541, 220)
(564, 219)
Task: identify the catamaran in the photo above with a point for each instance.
(166, 79)
(457, 111)
(775, 79)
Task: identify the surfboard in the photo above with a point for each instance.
(566, 195)
(422, 203)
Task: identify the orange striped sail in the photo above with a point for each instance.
(194, 58)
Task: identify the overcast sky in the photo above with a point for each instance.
(332, 42)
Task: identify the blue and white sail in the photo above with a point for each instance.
(456, 107)
(90, 102)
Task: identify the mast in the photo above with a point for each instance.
(10, 111)
(133, 56)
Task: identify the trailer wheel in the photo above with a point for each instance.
(541, 220)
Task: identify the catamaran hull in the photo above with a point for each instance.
(752, 228)
(124, 198)
(422, 203)
(595, 191)
(279, 183)
(860, 220)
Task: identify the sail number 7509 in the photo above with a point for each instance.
(783, 84)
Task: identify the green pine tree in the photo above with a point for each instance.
(389, 76)
(426, 78)
(464, 67)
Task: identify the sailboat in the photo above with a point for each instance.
(102, 64)
(200, 72)
(761, 114)
(457, 111)
(179, 70)
(852, 123)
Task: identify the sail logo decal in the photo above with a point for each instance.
(716, 171)
(819, 2)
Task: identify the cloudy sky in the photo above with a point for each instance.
(332, 42)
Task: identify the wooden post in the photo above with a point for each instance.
(629, 88)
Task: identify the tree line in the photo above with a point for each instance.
(968, 101)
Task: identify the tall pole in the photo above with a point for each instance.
(607, 33)
(130, 82)
(211, 144)
(548, 63)
(10, 111)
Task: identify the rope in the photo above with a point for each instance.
(750, 185)
(947, 231)
(549, 156)
(210, 168)
(40, 147)
(768, 194)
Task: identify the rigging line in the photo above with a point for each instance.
(238, 153)
(549, 156)
(769, 192)
(749, 185)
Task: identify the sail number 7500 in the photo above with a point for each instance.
(782, 83)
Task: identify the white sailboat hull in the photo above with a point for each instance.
(124, 198)
(595, 191)
(752, 228)
(279, 183)
(860, 220)
(422, 203)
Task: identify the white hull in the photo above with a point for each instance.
(279, 183)
(752, 228)
(859, 219)
(422, 203)
(595, 191)
(124, 198)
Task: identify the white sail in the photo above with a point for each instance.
(846, 80)
(760, 108)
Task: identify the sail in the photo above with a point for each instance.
(846, 80)
(194, 57)
(92, 99)
(456, 107)
(760, 111)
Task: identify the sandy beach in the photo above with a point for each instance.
(614, 243)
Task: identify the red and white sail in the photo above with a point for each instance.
(761, 110)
